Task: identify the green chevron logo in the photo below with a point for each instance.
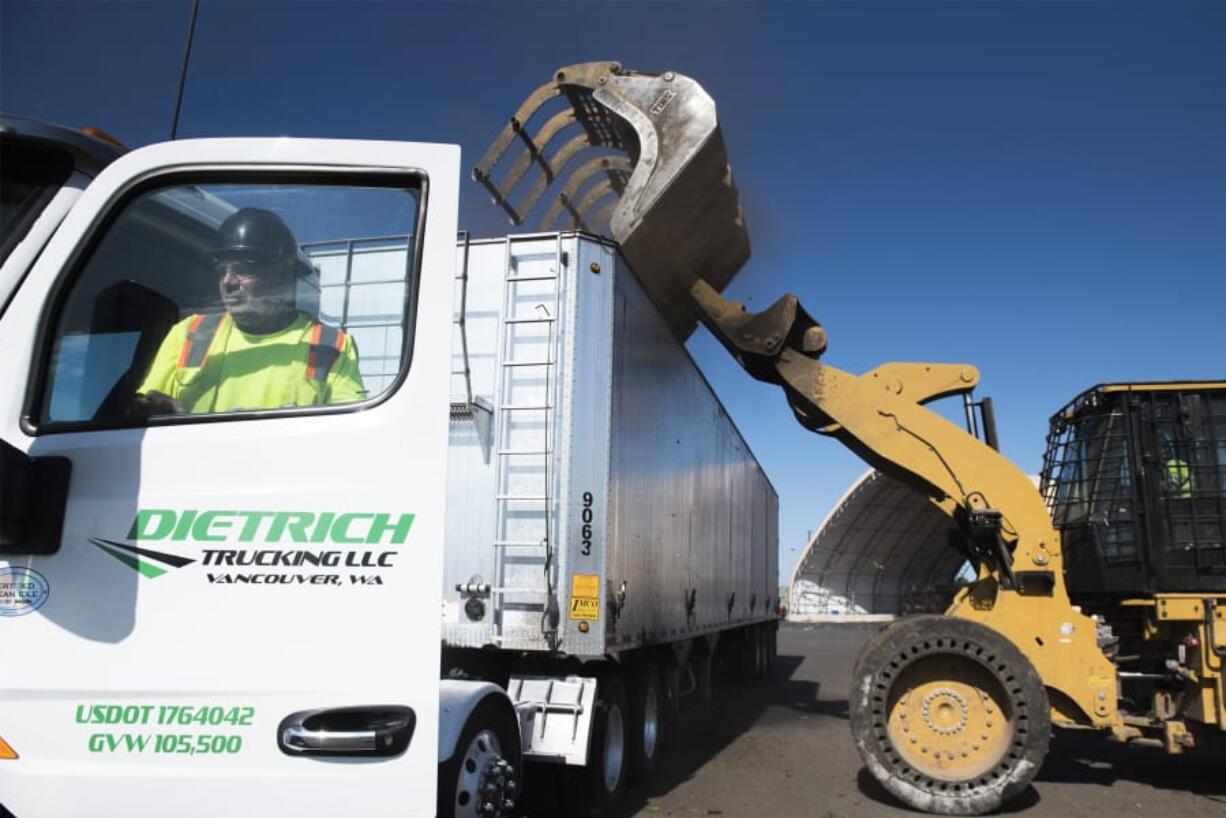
(142, 560)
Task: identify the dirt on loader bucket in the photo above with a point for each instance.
(638, 157)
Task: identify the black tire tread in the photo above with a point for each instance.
(888, 652)
(645, 674)
(584, 792)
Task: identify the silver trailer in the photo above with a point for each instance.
(599, 498)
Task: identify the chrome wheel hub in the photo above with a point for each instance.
(486, 786)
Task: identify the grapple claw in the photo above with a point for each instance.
(657, 180)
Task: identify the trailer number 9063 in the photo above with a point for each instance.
(586, 516)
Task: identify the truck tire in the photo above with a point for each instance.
(486, 768)
(598, 787)
(647, 721)
(948, 715)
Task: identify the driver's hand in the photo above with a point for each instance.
(153, 403)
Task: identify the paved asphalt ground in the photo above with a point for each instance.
(783, 748)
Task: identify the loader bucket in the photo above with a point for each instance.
(646, 165)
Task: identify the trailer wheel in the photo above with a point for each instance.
(598, 787)
(670, 689)
(647, 723)
(482, 777)
(948, 715)
(745, 652)
(756, 646)
(770, 639)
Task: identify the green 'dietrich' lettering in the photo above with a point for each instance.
(245, 526)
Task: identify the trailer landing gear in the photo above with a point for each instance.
(948, 715)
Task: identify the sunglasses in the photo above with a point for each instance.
(245, 269)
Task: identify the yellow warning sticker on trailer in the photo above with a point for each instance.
(581, 608)
(585, 596)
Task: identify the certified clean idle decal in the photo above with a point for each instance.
(22, 591)
(262, 547)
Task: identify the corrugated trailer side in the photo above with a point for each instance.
(691, 548)
(608, 530)
(604, 501)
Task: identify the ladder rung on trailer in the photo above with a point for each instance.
(527, 363)
(514, 279)
(517, 435)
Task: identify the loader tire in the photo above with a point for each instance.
(948, 715)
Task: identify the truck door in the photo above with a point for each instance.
(224, 430)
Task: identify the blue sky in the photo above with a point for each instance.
(1038, 189)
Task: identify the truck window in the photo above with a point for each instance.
(29, 176)
(215, 299)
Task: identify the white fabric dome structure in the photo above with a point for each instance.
(882, 549)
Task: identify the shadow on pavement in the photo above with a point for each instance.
(700, 734)
(1085, 757)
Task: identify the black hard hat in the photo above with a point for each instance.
(256, 234)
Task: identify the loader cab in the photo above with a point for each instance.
(1135, 477)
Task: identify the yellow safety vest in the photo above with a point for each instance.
(210, 365)
(1179, 478)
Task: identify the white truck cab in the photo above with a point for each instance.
(217, 613)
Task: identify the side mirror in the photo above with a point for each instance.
(33, 496)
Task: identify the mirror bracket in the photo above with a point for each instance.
(33, 498)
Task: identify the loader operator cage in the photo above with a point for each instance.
(1135, 478)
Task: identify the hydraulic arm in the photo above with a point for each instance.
(1003, 526)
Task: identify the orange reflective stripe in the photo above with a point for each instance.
(186, 352)
(313, 352)
(327, 343)
(199, 339)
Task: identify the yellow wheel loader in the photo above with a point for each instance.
(1097, 599)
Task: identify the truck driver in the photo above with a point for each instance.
(261, 352)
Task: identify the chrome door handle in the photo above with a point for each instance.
(382, 730)
(297, 738)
